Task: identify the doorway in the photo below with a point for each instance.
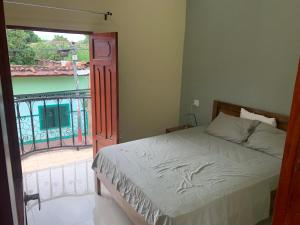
(50, 76)
(66, 104)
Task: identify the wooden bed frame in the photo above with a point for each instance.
(218, 106)
(234, 110)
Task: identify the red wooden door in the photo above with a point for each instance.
(104, 89)
(287, 207)
(11, 185)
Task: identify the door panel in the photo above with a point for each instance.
(104, 89)
(9, 136)
(287, 207)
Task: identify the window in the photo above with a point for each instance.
(51, 116)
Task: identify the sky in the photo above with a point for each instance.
(50, 35)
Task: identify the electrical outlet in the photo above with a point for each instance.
(196, 103)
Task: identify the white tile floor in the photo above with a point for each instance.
(67, 191)
(78, 210)
(65, 182)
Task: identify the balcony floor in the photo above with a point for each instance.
(65, 182)
(66, 185)
(54, 158)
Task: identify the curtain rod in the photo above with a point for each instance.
(106, 14)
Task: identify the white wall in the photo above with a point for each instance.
(151, 36)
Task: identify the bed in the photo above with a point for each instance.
(189, 177)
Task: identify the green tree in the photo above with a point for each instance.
(85, 40)
(32, 37)
(60, 42)
(44, 50)
(52, 50)
(58, 37)
(20, 51)
(83, 48)
(25, 48)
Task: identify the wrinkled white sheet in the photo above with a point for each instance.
(191, 178)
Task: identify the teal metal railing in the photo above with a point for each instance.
(47, 121)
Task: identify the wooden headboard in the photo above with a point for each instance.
(234, 110)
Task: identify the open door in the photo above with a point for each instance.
(11, 185)
(104, 89)
(287, 207)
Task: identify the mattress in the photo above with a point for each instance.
(191, 178)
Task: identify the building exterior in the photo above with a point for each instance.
(33, 85)
(48, 76)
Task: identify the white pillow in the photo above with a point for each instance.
(252, 116)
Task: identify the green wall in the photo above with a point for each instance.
(31, 85)
(240, 51)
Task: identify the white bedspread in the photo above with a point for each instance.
(191, 178)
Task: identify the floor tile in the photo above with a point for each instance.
(68, 196)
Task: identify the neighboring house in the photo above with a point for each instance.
(47, 107)
(48, 76)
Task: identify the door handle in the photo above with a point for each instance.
(28, 198)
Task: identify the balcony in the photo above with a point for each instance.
(56, 125)
(53, 120)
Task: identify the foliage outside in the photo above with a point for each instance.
(26, 48)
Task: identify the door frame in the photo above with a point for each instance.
(45, 29)
(289, 175)
(11, 189)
